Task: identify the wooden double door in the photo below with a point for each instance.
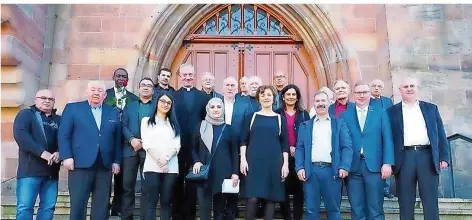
(250, 59)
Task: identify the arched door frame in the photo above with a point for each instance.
(310, 22)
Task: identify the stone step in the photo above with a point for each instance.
(456, 209)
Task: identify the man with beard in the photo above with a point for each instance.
(133, 152)
(379, 101)
(208, 86)
(118, 97)
(322, 159)
(242, 87)
(35, 132)
(163, 79)
(90, 145)
(190, 107)
(341, 91)
(280, 82)
(372, 159)
(421, 151)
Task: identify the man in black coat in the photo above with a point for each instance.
(190, 109)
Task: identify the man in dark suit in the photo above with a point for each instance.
(323, 157)
(341, 91)
(118, 97)
(421, 151)
(372, 146)
(208, 86)
(243, 91)
(133, 152)
(190, 106)
(377, 100)
(163, 79)
(89, 144)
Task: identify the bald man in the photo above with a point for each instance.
(35, 131)
(341, 91)
(90, 145)
(242, 88)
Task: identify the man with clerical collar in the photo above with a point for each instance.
(119, 96)
(280, 81)
(341, 91)
(208, 85)
(190, 108)
(163, 79)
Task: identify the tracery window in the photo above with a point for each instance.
(243, 19)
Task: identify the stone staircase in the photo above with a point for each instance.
(450, 209)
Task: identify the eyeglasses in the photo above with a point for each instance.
(146, 85)
(362, 92)
(165, 102)
(44, 98)
(279, 77)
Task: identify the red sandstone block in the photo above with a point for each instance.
(86, 24)
(147, 10)
(77, 55)
(367, 58)
(453, 12)
(365, 11)
(40, 17)
(91, 40)
(7, 131)
(124, 40)
(106, 72)
(396, 12)
(446, 62)
(129, 10)
(369, 73)
(84, 72)
(467, 11)
(95, 10)
(133, 25)
(113, 24)
(359, 25)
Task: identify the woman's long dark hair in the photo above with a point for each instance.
(298, 104)
(169, 115)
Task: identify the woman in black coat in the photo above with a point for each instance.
(214, 136)
(292, 111)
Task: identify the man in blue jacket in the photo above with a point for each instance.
(35, 132)
(133, 152)
(421, 151)
(372, 159)
(377, 100)
(322, 158)
(90, 145)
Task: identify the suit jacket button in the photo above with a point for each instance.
(99, 134)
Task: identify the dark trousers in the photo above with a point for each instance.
(129, 171)
(117, 192)
(159, 186)
(365, 192)
(321, 184)
(82, 182)
(417, 168)
(295, 187)
(224, 205)
(184, 201)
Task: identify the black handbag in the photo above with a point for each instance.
(204, 169)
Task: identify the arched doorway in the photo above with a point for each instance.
(245, 40)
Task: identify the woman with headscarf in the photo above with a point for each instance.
(213, 136)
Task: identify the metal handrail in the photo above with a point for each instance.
(451, 170)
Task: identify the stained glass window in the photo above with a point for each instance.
(242, 19)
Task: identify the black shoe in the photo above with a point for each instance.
(115, 213)
(389, 195)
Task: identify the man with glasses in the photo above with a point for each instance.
(133, 152)
(377, 100)
(35, 131)
(163, 79)
(118, 97)
(280, 82)
(190, 109)
(372, 157)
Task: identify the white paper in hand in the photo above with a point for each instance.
(227, 186)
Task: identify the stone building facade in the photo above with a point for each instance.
(61, 47)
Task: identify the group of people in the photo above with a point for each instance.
(261, 139)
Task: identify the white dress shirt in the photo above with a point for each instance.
(414, 126)
(321, 140)
(159, 141)
(362, 117)
(229, 105)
